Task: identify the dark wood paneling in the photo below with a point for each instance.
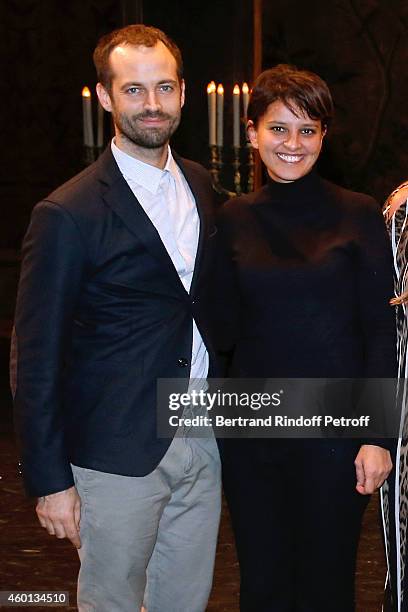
(360, 47)
(49, 48)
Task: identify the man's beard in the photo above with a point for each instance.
(147, 137)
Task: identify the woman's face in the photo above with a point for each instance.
(289, 145)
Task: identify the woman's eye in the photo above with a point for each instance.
(308, 131)
(277, 128)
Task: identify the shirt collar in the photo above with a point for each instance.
(145, 175)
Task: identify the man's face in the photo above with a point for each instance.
(146, 96)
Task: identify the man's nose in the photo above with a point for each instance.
(152, 101)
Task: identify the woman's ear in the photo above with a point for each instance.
(252, 134)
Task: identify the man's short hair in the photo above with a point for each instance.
(296, 89)
(136, 35)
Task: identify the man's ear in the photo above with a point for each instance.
(183, 92)
(104, 97)
(252, 134)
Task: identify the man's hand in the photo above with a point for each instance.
(60, 513)
(373, 464)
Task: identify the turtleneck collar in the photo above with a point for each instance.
(305, 186)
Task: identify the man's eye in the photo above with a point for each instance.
(133, 90)
(166, 88)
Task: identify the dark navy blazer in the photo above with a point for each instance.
(101, 314)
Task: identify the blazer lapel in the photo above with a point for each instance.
(121, 199)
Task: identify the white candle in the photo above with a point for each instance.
(235, 109)
(245, 99)
(87, 117)
(212, 126)
(99, 141)
(220, 115)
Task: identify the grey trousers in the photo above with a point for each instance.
(151, 540)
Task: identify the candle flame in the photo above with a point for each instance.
(211, 87)
(245, 88)
(236, 90)
(220, 89)
(86, 93)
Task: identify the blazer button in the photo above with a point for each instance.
(183, 363)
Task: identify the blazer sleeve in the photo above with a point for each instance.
(52, 268)
(226, 301)
(376, 288)
(377, 317)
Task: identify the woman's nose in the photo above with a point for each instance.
(292, 141)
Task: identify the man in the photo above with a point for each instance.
(110, 299)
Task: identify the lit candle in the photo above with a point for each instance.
(212, 125)
(245, 99)
(235, 108)
(100, 125)
(220, 115)
(87, 117)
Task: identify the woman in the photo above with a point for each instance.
(395, 493)
(307, 275)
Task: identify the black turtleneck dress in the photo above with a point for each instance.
(305, 275)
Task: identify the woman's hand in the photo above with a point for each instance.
(373, 464)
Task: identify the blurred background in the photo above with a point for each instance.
(360, 47)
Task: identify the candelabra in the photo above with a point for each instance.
(91, 150)
(242, 162)
(243, 159)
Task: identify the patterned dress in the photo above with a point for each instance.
(394, 493)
